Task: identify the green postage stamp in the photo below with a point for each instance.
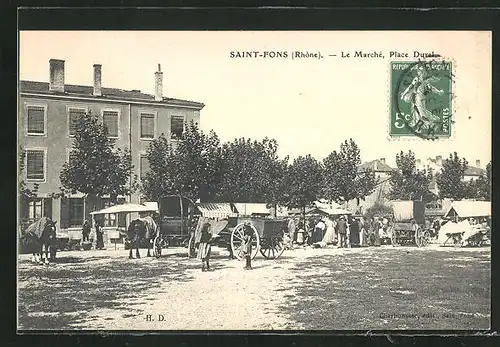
(421, 99)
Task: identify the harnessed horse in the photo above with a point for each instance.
(41, 234)
(141, 229)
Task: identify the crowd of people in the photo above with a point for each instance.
(343, 231)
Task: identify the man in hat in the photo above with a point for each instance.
(342, 231)
(247, 245)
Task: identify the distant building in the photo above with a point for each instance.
(45, 131)
(436, 165)
(382, 174)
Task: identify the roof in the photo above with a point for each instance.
(126, 208)
(248, 209)
(375, 165)
(215, 210)
(42, 88)
(469, 171)
(465, 209)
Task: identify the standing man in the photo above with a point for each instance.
(291, 231)
(342, 231)
(85, 230)
(247, 245)
(376, 231)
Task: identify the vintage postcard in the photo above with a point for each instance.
(254, 180)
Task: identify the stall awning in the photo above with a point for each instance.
(126, 208)
(215, 210)
(466, 209)
(248, 209)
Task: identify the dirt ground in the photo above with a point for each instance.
(320, 289)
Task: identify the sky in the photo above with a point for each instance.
(309, 105)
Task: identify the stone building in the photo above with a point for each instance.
(46, 129)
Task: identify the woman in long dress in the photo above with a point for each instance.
(329, 237)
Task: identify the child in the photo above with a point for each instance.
(247, 245)
(204, 248)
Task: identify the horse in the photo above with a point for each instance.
(141, 229)
(41, 235)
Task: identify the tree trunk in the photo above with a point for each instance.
(91, 205)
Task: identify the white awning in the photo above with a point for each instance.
(215, 210)
(466, 209)
(126, 208)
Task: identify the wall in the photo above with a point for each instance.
(57, 142)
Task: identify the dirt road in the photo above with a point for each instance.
(306, 288)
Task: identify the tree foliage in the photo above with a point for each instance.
(480, 188)
(407, 182)
(342, 179)
(378, 209)
(302, 182)
(190, 168)
(450, 180)
(251, 171)
(95, 166)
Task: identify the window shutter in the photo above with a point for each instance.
(64, 213)
(24, 208)
(36, 120)
(47, 208)
(110, 120)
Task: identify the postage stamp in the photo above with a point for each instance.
(421, 99)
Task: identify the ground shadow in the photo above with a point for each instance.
(357, 290)
(61, 296)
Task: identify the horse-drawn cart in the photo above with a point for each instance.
(407, 227)
(267, 235)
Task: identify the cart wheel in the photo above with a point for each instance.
(419, 240)
(425, 238)
(157, 246)
(191, 247)
(237, 241)
(274, 249)
(394, 239)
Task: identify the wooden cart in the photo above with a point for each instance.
(267, 236)
(407, 225)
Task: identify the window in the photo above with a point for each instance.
(110, 120)
(76, 206)
(36, 120)
(74, 114)
(35, 164)
(144, 166)
(176, 127)
(38, 208)
(109, 219)
(147, 125)
(35, 209)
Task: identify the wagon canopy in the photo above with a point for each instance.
(216, 210)
(467, 209)
(126, 208)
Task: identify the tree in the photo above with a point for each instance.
(407, 182)
(251, 171)
(95, 167)
(450, 180)
(191, 168)
(342, 179)
(302, 183)
(481, 188)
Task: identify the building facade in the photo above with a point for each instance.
(47, 112)
(378, 196)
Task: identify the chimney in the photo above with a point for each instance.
(382, 160)
(478, 163)
(97, 80)
(439, 160)
(159, 84)
(56, 75)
